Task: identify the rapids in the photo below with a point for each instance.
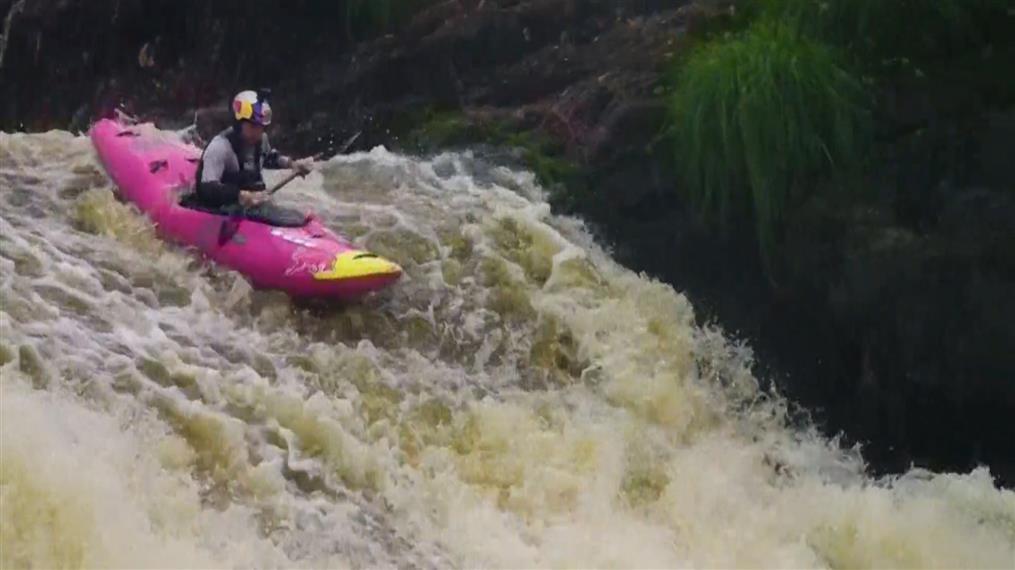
(517, 400)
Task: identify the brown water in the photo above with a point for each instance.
(518, 400)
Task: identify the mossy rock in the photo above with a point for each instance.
(30, 362)
(461, 246)
(402, 246)
(451, 271)
(303, 362)
(511, 303)
(532, 251)
(555, 351)
(578, 273)
(433, 130)
(644, 486)
(494, 272)
(428, 424)
(379, 401)
(156, 371)
(7, 354)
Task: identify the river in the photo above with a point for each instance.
(517, 400)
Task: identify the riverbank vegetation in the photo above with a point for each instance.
(780, 103)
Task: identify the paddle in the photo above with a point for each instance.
(289, 178)
(231, 225)
(294, 175)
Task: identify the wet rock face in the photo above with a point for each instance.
(567, 67)
(924, 357)
(66, 62)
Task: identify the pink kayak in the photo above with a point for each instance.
(154, 170)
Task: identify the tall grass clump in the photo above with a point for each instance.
(759, 118)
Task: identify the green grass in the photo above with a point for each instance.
(543, 156)
(433, 130)
(759, 119)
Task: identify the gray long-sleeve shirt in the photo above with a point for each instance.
(219, 158)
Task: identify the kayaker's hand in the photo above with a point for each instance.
(303, 166)
(249, 199)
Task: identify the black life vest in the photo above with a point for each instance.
(244, 177)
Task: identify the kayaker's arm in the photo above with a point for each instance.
(275, 160)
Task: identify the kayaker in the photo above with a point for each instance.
(229, 172)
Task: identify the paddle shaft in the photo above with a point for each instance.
(230, 225)
(290, 177)
(293, 175)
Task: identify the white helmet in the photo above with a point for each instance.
(249, 106)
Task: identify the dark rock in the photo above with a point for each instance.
(993, 152)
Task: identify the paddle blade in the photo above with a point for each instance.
(228, 229)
